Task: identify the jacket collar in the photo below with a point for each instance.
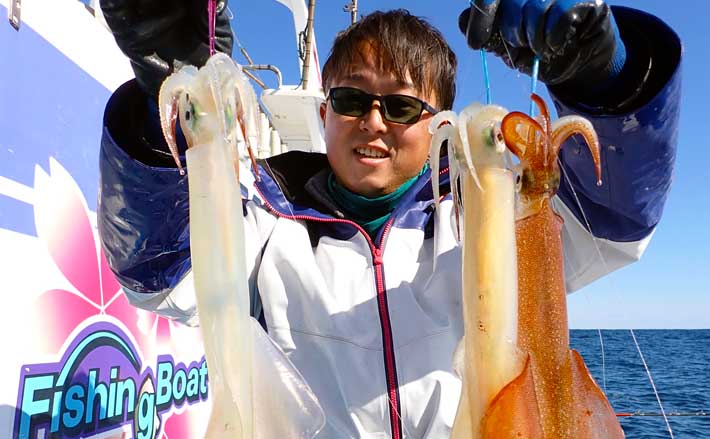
(294, 184)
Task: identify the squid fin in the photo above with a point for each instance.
(459, 358)
(514, 413)
(463, 428)
(225, 417)
(594, 418)
(282, 397)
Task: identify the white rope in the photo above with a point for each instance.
(601, 342)
(650, 378)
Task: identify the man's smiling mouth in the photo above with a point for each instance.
(371, 152)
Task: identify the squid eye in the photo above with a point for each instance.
(489, 136)
(498, 134)
(188, 107)
(191, 112)
(518, 172)
(497, 137)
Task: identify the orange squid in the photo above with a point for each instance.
(554, 397)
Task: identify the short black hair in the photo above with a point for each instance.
(401, 43)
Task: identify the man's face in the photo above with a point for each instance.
(351, 142)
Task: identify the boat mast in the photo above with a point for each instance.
(309, 40)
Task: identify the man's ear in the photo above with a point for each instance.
(323, 110)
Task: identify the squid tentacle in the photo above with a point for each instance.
(238, 104)
(169, 98)
(544, 114)
(447, 131)
(544, 120)
(567, 126)
(519, 145)
(467, 115)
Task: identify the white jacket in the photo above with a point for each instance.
(371, 325)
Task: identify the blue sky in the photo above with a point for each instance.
(668, 288)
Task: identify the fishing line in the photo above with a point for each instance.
(484, 62)
(533, 82)
(486, 79)
(698, 414)
(599, 253)
(404, 427)
(212, 20)
(650, 378)
(511, 64)
(505, 46)
(254, 75)
(477, 7)
(606, 269)
(601, 343)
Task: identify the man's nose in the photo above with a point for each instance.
(374, 120)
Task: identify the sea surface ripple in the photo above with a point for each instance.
(679, 361)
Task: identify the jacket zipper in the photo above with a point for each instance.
(387, 342)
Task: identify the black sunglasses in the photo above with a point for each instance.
(354, 102)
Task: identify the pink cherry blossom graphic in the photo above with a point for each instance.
(63, 224)
(178, 427)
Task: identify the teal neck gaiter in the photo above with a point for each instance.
(369, 213)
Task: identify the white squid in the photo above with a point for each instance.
(255, 390)
(482, 183)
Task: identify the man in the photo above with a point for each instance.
(352, 271)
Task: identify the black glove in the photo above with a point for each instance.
(154, 33)
(577, 41)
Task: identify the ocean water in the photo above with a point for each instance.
(679, 361)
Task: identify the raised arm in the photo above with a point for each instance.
(143, 204)
(619, 68)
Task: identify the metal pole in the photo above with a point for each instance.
(13, 13)
(309, 40)
(352, 8)
(271, 67)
